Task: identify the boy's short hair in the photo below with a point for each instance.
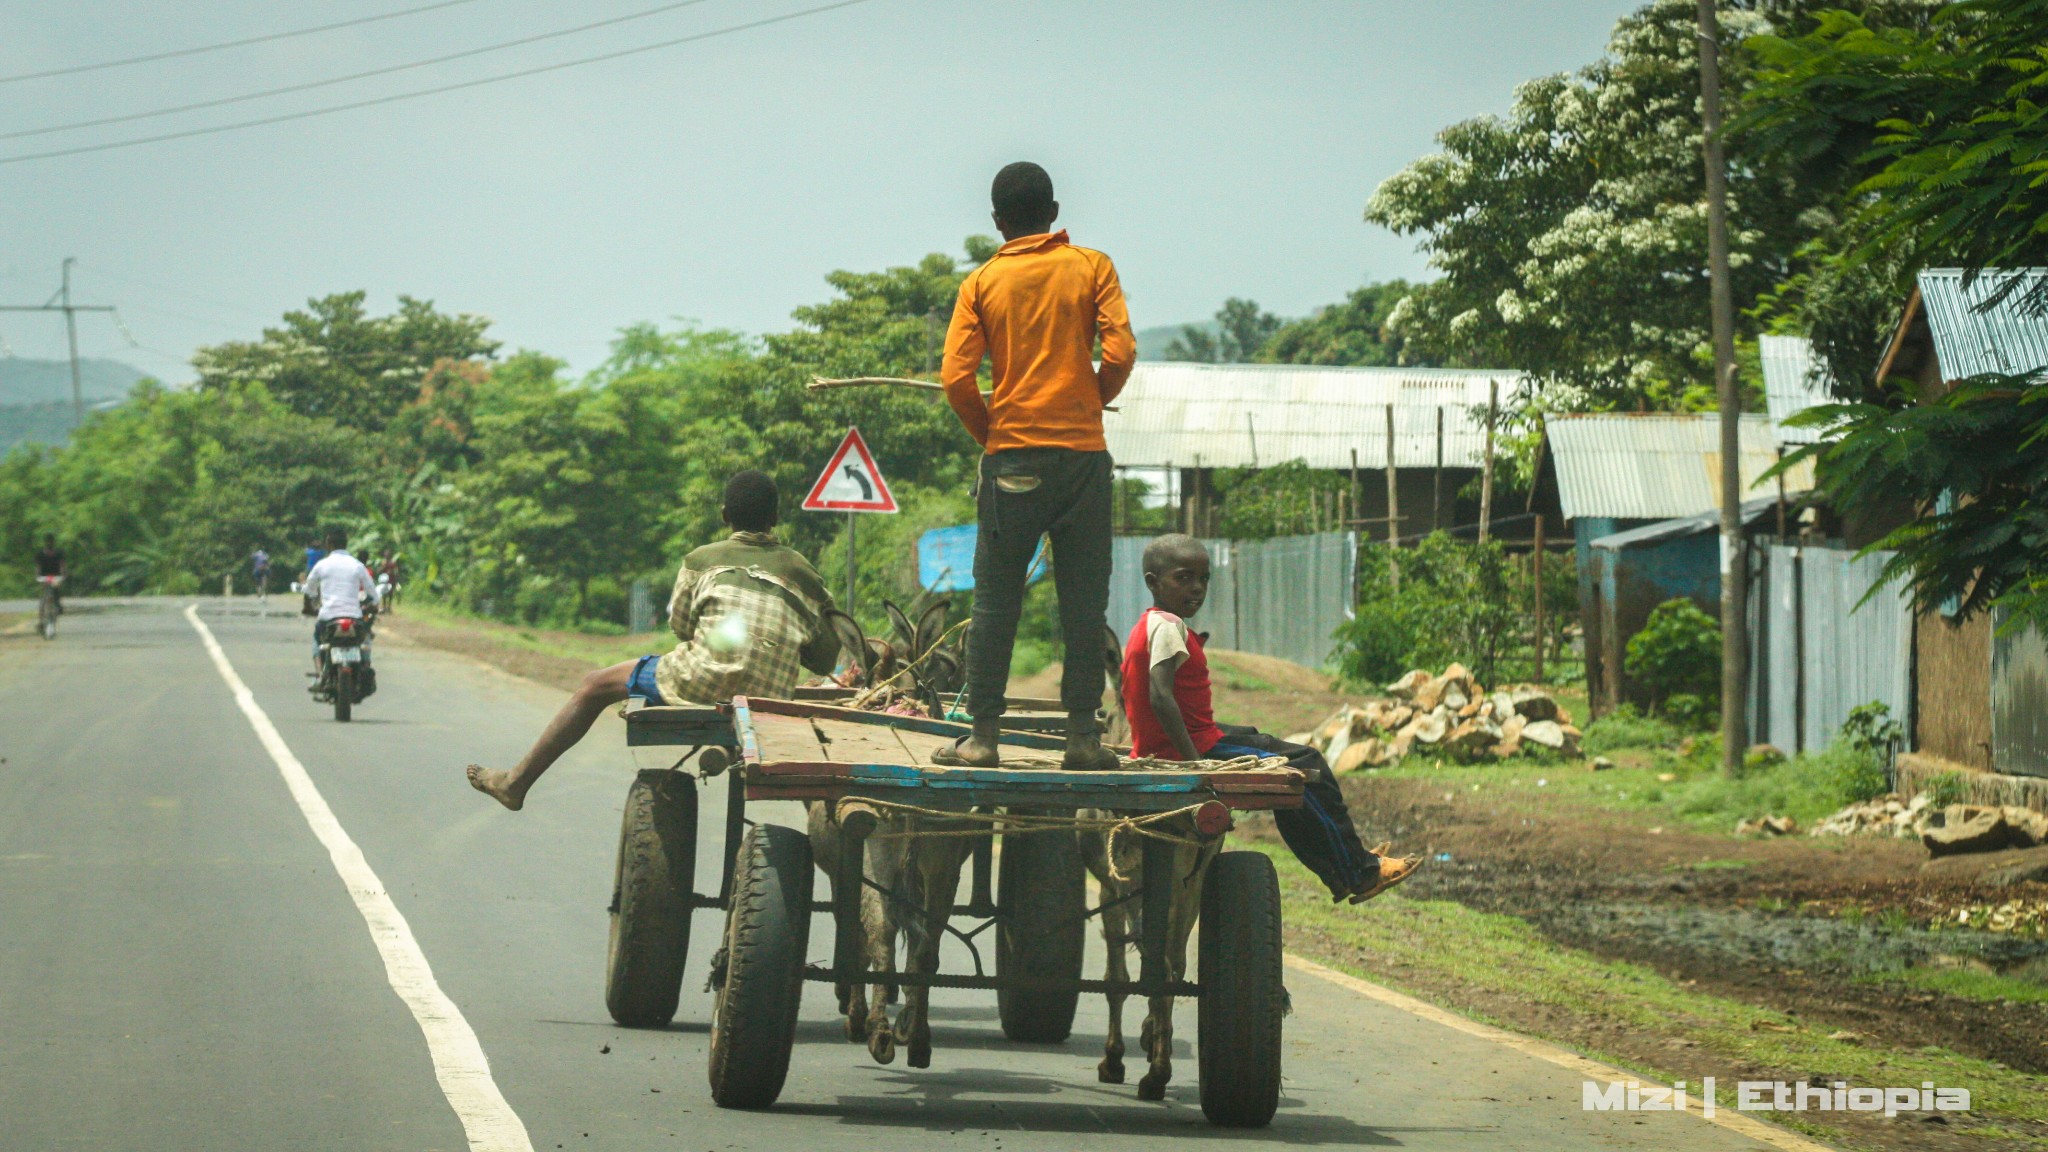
(337, 538)
(1164, 550)
(751, 502)
(1022, 193)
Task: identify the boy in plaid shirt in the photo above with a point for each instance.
(748, 613)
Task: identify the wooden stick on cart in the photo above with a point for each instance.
(822, 384)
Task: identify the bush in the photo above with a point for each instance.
(1678, 653)
(1805, 787)
(1457, 601)
(1627, 728)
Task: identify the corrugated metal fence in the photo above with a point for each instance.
(1815, 655)
(2019, 698)
(1282, 597)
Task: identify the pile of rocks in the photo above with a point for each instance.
(1945, 831)
(1884, 816)
(1449, 714)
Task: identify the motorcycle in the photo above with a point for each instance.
(345, 677)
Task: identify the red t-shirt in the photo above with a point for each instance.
(1157, 636)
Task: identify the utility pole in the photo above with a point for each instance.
(1734, 566)
(61, 302)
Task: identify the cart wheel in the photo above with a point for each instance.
(1242, 997)
(651, 899)
(1041, 893)
(344, 692)
(753, 1022)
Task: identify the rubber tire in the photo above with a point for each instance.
(753, 1022)
(1243, 998)
(1041, 893)
(344, 692)
(653, 894)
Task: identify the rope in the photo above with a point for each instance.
(873, 690)
(1008, 823)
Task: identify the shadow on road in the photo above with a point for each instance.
(956, 1100)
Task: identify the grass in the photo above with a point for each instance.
(1470, 957)
(591, 648)
(1970, 984)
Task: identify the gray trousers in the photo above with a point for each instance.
(1026, 493)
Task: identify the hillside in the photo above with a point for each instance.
(25, 381)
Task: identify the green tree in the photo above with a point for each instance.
(333, 360)
(1242, 330)
(1941, 123)
(1571, 234)
(1353, 332)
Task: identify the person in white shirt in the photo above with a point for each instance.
(341, 584)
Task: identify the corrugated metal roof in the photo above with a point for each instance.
(1792, 384)
(1249, 415)
(1655, 467)
(1968, 342)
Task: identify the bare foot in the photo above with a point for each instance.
(496, 785)
(969, 752)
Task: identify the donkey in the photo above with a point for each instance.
(920, 876)
(1123, 914)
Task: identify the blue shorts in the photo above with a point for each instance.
(641, 682)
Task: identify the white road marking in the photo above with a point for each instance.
(459, 1062)
(1529, 1045)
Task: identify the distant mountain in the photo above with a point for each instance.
(1152, 342)
(35, 396)
(49, 381)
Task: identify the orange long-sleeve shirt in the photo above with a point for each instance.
(1035, 309)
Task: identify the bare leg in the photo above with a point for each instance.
(599, 690)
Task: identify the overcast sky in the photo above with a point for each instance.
(1213, 149)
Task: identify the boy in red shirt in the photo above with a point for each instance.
(1167, 699)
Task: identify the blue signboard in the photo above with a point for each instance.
(945, 559)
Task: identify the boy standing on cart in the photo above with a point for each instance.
(1036, 310)
(748, 614)
(1168, 699)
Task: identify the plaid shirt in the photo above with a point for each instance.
(749, 615)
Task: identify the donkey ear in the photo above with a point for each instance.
(931, 625)
(905, 634)
(852, 641)
(882, 661)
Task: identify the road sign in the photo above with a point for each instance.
(851, 482)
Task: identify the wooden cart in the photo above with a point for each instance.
(817, 751)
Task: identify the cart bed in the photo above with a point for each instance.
(798, 750)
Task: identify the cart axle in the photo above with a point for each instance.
(941, 980)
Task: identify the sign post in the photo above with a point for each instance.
(851, 483)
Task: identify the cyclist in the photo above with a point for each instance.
(259, 571)
(50, 570)
(341, 585)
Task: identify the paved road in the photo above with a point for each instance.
(181, 967)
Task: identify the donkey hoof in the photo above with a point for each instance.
(920, 1054)
(1152, 1087)
(856, 1029)
(882, 1046)
(1110, 1071)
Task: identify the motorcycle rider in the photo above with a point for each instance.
(342, 585)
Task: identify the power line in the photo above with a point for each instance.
(70, 312)
(203, 48)
(478, 83)
(330, 82)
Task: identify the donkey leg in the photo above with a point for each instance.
(940, 873)
(1188, 865)
(1116, 970)
(878, 920)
